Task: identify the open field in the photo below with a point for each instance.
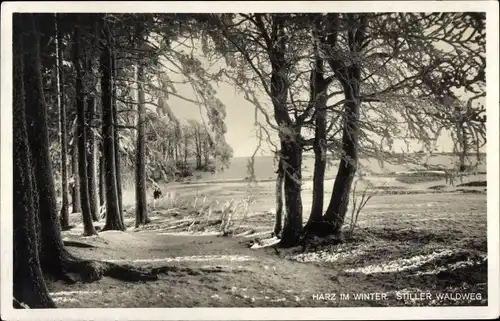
(264, 167)
(409, 239)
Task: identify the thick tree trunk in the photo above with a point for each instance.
(113, 214)
(335, 213)
(75, 189)
(292, 229)
(29, 285)
(54, 259)
(91, 159)
(88, 226)
(64, 213)
(141, 210)
(278, 224)
(291, 147)
(52, 253)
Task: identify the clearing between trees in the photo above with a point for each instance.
(423, 241)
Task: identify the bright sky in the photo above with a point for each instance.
(241, 132)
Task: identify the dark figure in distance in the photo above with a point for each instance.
(157, 193)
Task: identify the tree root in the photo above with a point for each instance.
(71, 270)
(67, 228)
(319, 233)
(77, 244)
(91, 271)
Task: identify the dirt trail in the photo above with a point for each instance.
(206, 271)
(428, 242)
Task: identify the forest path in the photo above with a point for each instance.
(424, 242)
(208, 271)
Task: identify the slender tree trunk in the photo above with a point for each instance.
(116, 139)
(206, 153)
(102, 186)
(113, 214)
(75, 190)
(88, 226)
(278, 224)
(319, 99)
(64, 214)
(177, 151)
(91, 139)
(186, 145)
(28, 281)
(198, 148)
(141, 210)
(335, 213)
(91, 159)
(464, 147)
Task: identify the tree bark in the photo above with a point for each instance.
(52, 253)
(289, 136)
(64, 213)
(349, 77)
(54, 259)
(141, 210)
(464, 147)
(102, 186)
(29, 285)
(113, 214)
(206, 154)
(292, 228)
(88, 226)
(337, 208)
(319, 87)
(278, 224)
(116, 138)
(75, 189)
(91, 159)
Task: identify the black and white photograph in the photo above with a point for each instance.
(183, 156)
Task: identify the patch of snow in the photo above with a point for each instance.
(205, 258)
(66, 293)
(265, 243)
(403, 264)
(63, 299)
(214, 233)
(278, 300)
(450, 267)
(327, 255)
